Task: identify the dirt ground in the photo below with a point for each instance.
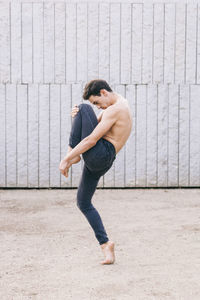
(49, 251)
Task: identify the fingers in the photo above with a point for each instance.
(75, 109)
(64, 172)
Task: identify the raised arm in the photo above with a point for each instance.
(108, 119)
(100, 116)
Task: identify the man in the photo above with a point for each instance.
(98, 140)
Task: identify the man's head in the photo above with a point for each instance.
(99, 93)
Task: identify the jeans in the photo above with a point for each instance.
(97, 161)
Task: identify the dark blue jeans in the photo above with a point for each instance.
(97, 161)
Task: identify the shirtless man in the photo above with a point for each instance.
(98, 140)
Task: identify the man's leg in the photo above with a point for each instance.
(86, 189)
(83, 124)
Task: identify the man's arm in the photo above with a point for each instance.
(108, 120)
(99, 117)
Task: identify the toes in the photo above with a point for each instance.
(103, 263)
(107, 262)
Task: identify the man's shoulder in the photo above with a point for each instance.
(111, 113)
(112, 110)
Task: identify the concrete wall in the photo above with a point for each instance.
(149, 52)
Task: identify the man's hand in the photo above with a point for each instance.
(75, 110)
(64, 167)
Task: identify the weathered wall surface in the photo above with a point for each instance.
(148, 52)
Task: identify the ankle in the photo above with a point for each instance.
(104, 245)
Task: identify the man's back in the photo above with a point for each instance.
(120, 131)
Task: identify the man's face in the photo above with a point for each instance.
(100, 101)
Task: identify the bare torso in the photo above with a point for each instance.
(120, 131)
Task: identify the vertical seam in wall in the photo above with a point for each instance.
(142, 43)
(27, 90)
(10, 41)
(5, 120)
(81, 84)
(175, 46)
(199, 151)
(146, 136)
(21, 47)
(167, 132)
(43, 40)
(189, 136)
(135, 134)
(164, 44)
(125, 149)
(114, 160)
(87, 41)
(98, 35)
(109, 40)
(16, 101)
(32, 48)
(38, 115)
(199, 155)
(49, 135)
(159, 111)
(131, 62)
(60, 128)
(109, 51)
(54, 42)
(70, 85)
(65, 46)
(113, 87)
(76, 37)
(120, 46)
(196, 44)
(147, 102)
(153, 47)
(157, 137)
(185, 43)
(178, 130)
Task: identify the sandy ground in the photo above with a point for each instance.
(49, 251)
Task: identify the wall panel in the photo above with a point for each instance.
(162, 150)
(149, 52)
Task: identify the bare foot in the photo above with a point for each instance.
(108, 250)
(74, 160)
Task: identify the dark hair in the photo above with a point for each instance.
(93, 87)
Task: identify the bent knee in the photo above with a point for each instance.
(82, 206)
(84, 106)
